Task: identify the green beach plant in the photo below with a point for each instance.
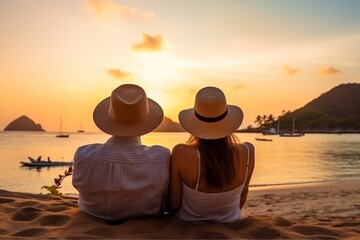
(54, 189)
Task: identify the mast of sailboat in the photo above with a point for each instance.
(60, 125)
(278, 125)
(293, 125)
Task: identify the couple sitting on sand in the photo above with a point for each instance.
(204, 180)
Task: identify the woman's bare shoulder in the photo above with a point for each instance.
(183, 149)
(251, 148)
(247, 144)
(179, 148)
(183, 156)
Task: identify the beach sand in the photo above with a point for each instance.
(315, 211)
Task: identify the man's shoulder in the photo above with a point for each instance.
(86, 149)
(159, 150)
(88, 146)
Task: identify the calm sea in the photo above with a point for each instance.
(283, 161)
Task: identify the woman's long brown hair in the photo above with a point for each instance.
(217, 157)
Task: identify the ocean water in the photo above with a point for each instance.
(283, 161)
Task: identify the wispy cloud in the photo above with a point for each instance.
(240, 86)
(290, 71)
(119, 74)
(327, 71)
(181, 90)
(108, 9)
(149, 43)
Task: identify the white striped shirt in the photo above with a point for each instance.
(121, 178)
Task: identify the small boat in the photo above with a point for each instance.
(45, 164)
(34, 163)
(81, 130)
(61, 135)
(270, 131)
(32, 160)
(263, 139)
(292, 133)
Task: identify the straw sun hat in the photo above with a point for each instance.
(211, 117)
(128, 112)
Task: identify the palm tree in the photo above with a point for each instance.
(258, 120)
(264, 121)
(270, 119)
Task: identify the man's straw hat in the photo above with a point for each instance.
(128, 112)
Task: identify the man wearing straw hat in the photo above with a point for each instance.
(122, 178)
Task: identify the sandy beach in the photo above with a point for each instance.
(317, 211)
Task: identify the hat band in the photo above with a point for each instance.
(211, 119)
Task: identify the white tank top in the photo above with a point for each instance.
(223, 207)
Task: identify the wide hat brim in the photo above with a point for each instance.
(107, 125)
(211, 130)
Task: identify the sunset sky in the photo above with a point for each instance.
(59, 58)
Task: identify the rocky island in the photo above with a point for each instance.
(167, 125)
(23, 123)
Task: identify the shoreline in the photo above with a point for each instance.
(316, 211)
(315, 185)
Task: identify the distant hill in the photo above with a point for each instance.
(23, 123)
(167, 125)
(337, 110)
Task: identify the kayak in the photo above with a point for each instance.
(45, 164)
(34, 163)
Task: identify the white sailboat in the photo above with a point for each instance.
(80, 130)
(292, 133)
(61, 135)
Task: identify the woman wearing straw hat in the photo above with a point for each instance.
(122, 178)
(210, 174)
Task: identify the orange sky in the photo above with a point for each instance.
(60, 58)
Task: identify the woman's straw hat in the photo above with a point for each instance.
(211, 117)
(128, 112)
